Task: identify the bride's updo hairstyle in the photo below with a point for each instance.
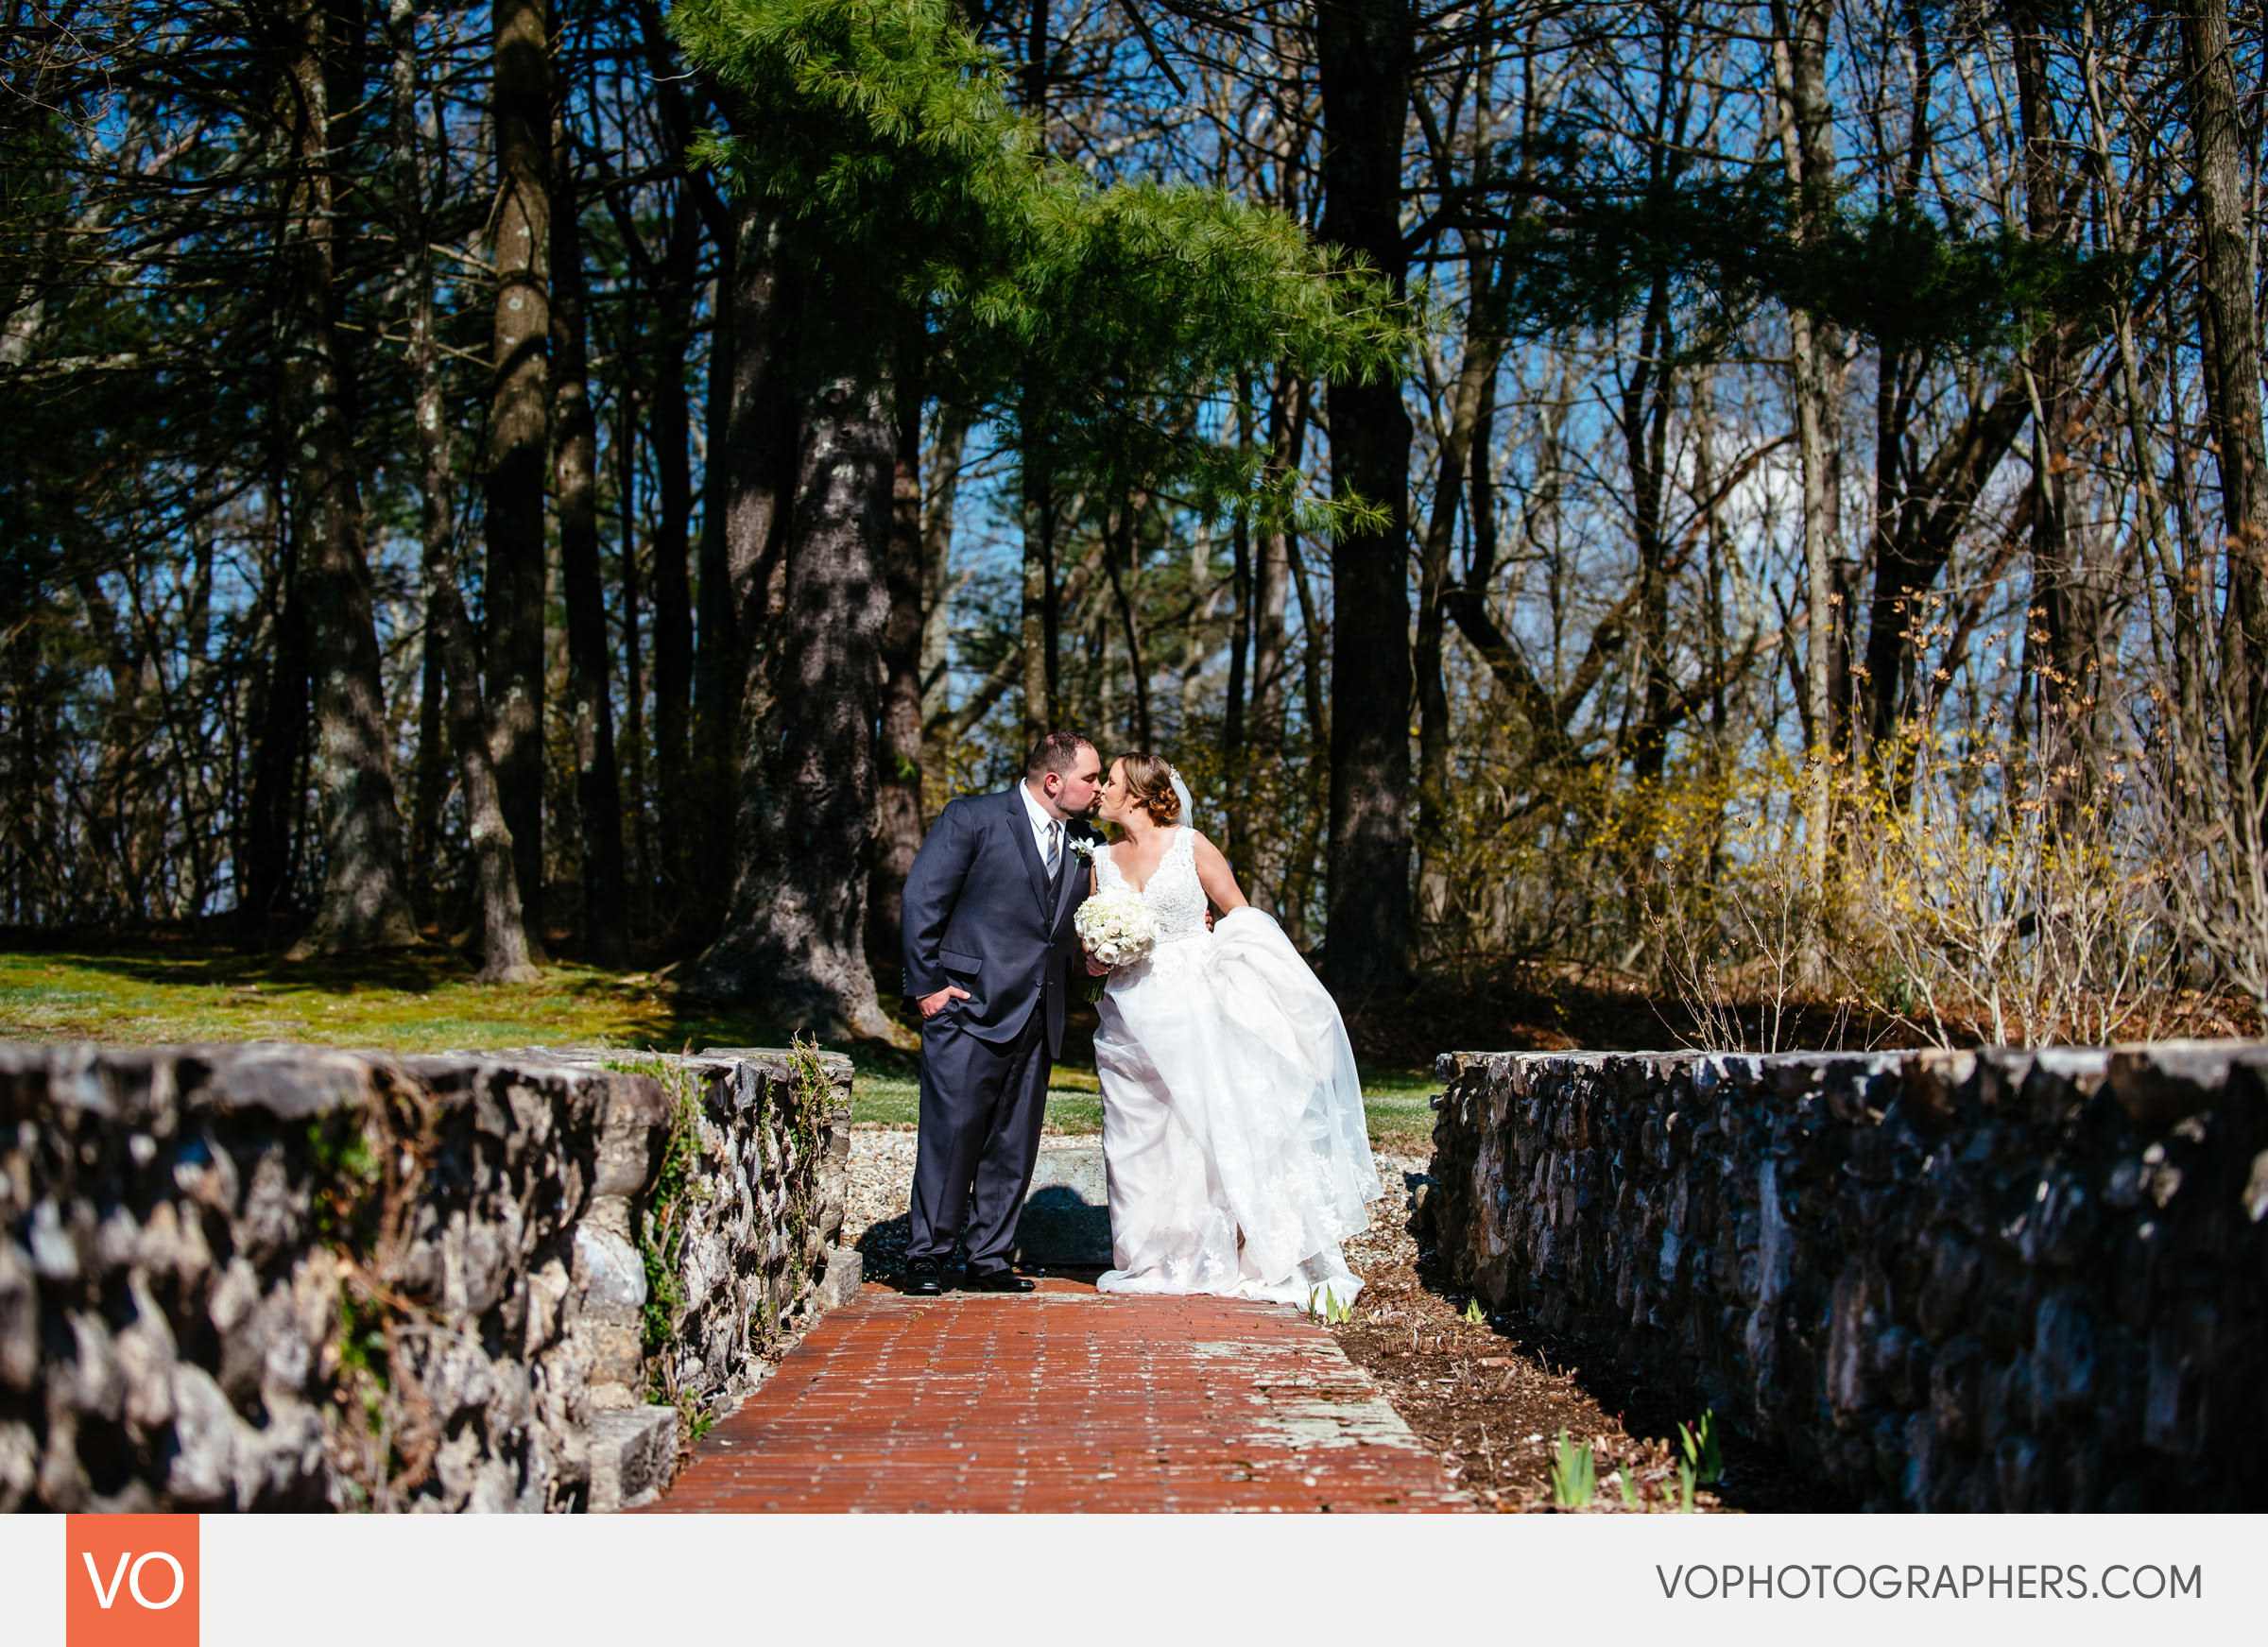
(1150, 782)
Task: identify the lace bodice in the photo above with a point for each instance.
(1176, 898)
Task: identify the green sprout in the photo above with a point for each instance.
(1574, 1474)
(1702, 1454)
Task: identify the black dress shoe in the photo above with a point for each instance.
(998, 1281)
(922, 1279)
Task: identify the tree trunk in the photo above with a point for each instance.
(898, 810)
(794, 939)
(633, 668)
(590, 696)
(1364, 54)
(1257, 816)
(2065, 603)
(2136, 406)
(1235, 780)
(519, 104)
(753, 469)
(1197, 646)
(940, 485)
(504, 942)
(1900, 374)
(1299, 855)
(1475, 377)
(1288, 440)
(27, 849)
(673, 527)
(954, 724)
(1040, 638)
(2231, 359)
(1807, 138)
(1648, 395)
(1120, 563)
(1040, 628)
(364, 903)
(279, 716)
(757, 464)
(448, 631)
(1892, 613)
(430, 784)
(1932, 511)
(1480, 501)
(720, 655)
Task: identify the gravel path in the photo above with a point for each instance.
(881, 1186)
(882, 1182)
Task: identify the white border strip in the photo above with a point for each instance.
(1181, 1580)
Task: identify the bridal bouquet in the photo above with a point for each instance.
(1115, 926)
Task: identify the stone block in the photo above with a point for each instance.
(2160, 1084)
(19, 1317)
(616, 1358)
(633, 1456)
(637, 1111)
(1066, 1218)
(285, 1080)
(612, 1273)
(846, 1272)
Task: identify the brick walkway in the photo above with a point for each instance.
(1063, 1400)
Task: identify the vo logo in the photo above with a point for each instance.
(130, 1581)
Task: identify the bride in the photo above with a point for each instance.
(1233, 1131)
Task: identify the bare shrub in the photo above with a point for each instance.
(1735, 950)
(1990, 892)
(2203, 786)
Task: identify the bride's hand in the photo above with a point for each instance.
(1095, 969)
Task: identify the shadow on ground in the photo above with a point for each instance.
(1558, 1378)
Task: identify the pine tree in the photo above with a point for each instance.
(876, 154)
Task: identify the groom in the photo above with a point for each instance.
(989, 950)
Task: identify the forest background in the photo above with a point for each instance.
(1759, 508)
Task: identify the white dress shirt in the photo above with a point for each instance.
(1043, 821)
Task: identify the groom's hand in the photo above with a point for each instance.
(933, 1005)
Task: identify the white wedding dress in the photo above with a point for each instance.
(1233, 1131)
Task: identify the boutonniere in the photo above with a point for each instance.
(1081, 848)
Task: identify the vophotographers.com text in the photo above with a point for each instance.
(1915, 1581)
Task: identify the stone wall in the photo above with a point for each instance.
(1941, 1280)
(273, 1277)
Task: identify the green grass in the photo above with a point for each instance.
(1401, 1109)
(1398, 1102)
(892, 1097)
(416, 1000)
(425, 1000)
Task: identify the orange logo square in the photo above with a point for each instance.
(130, 1580)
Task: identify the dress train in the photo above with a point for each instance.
(1233, 1131)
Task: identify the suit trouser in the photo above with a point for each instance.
(983, 1103)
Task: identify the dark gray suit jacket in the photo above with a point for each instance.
(978, 913)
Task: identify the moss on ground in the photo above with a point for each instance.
(425, 1001)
